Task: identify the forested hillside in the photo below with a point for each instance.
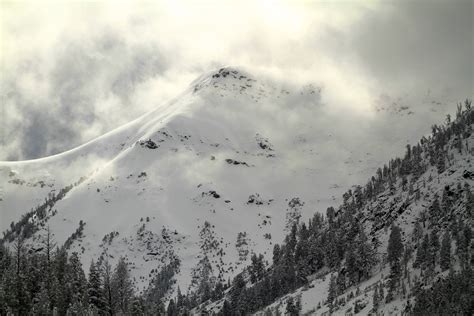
(401, 244)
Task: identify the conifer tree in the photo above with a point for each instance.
(238, 286)
(49, 244)
(340, 283)
(226, 308)
(171, 310)
(381, 293)
(108, 292)
(257, 268)
(94, 287)
(42, 305)
(76, 279)
(276, 254)
(298, 305)
(122, 286)
(137, 306)
(440, 165)
(463, 243)
(417, 232)
(365, 256)
(421, 253)
(394, 253)
(445, 255)
(375, 299)
(332, 292)
(433, 248)
(395, 246)
(290, 307)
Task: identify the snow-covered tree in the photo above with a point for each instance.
(445, 254)
(122, 286)
(394, 254)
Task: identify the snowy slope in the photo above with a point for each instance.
(232, 154)
(401, 207)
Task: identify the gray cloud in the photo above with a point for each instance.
(73, 74)
(81, 76)
(416, 44)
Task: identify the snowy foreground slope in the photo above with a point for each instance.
(221, 171)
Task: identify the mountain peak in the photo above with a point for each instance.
(230, 72)
(222, 75)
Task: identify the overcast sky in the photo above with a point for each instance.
(70, 71)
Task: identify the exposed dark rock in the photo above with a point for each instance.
(235, 162)
(257, 200)
(263, 143)
(212, 193)
(148, 144)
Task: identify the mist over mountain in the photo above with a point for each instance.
(223, 158)
(90, 67)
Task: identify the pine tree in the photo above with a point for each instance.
(375, 299)
(463, 243)
(332, 292)
(49, 244)
(365, 256)
(440, 165)
(226, 308)
(290, 307)
(122, 286)
(407, 254)
(395, 246)
(3, 297)
(340, 283)
(435, 211)
(43, 304)
(94, 287)
(298, 305)
(276, 254)
(160, 285)
(19, 293)
(77, 283)
(62, 294)
(238, 286)
(108, 292)
(33, 275)
(417, 232)
(77, 308)
(257, 268)
(171, 311)
(351, 267)
(381, 293)
(433, 248)
(422, 253)
(181, 300)
(394, 253)
(330, 214)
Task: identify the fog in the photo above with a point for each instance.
(72, 71)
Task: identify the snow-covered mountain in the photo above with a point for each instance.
(401, 244)
(222, 171)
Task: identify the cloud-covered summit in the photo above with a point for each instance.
(72, 71)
